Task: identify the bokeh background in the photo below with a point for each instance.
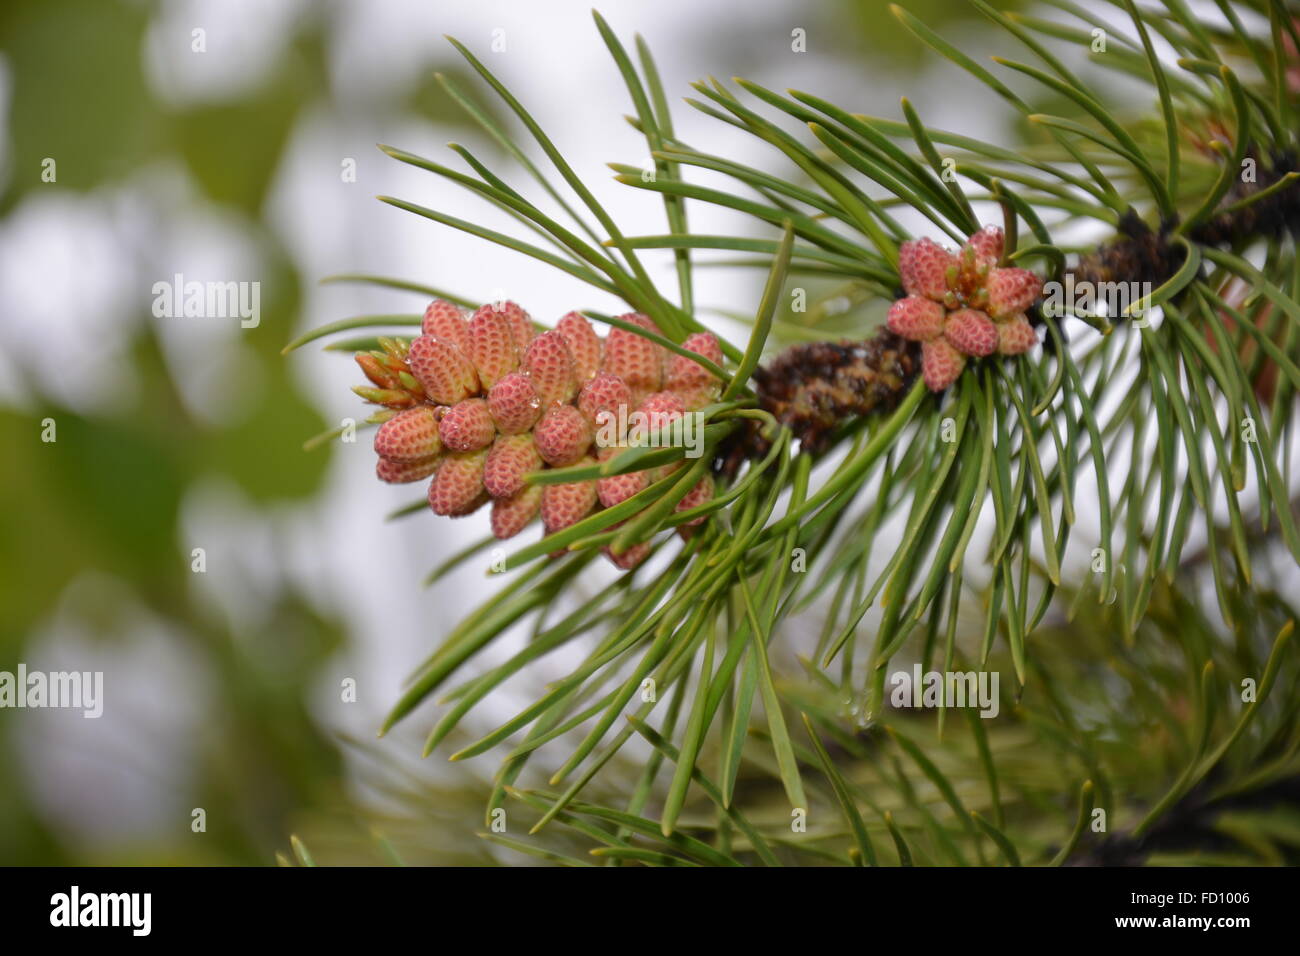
(224, 688)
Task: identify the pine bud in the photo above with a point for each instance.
(695, 384)
(1011, 291)
(923, 267)
(521, 324)
(511, 515)
(584, 344)
(563, 505)
(614, 489)
(467, 426)
(605, 394)
(550, 368)
(636, 360)
(458, 485)
(971, 332)
(443, 370)
(1016, 335)
(988, 243)
(492, 346)
(400, 473)
(630, 558)
(660, 409)
(700, 494)
(411, 435)
(916, 318)
(512, 458)
(514, 404)
(941, 364)
(563, 435)
(447, 321)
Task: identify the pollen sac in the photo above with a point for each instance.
(971, 332)
(924, 268)
(550, 368)
(941, 364)
(604, 396)
(659, 410)
(695, 384)
(511, 515)
(409, 436)
(458, 486)
(614, 489)
(700, 494)
(563, 435)
(492, 345)
(630, 558)
(467, 426)
(447, 321)
(402, 472)
(988, 244)
(442, 369)
(916, 318)
(514, 404)
(521, 324)
(583, 342)
(563, 505)
(512, 458)
(636, 360)
(1011, 291)
(1015, 336)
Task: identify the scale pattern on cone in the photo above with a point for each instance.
(962, 305)
(481, 400)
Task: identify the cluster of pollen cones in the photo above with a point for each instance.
(482, 399)
(962, 305)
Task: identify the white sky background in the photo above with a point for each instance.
(338, 549)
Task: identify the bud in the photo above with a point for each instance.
(971, 332)
(399, 473)
(467, 426)
(924, 268)
(492, 347)
(700, 494)
(511, 515)
(550, 368)
(630, 558)
(514, 404)
(1016, 336)
(690, 378)
(614, 489)
(1011, 291)
(660, 410)
(916, 318)
(636, 360)
(521, 324)
(447, 321)
(458, 485)
(563, 435)
(409, 436)
(442, 369)
(941, 364)
(605, 393)
(583, 342)
(512, 458)
(563, 505)
(987, 243)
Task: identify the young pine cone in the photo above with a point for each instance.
(483, 399)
